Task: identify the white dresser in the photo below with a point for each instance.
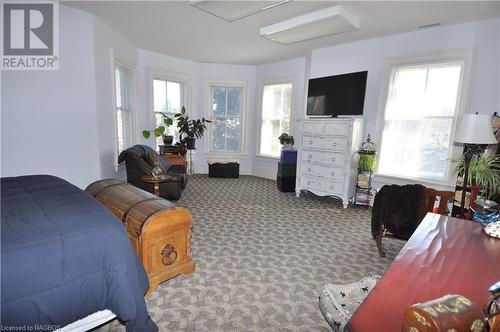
(327, 163)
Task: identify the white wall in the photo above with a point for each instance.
(49, 120)
(370, 55)
(295, 70)
(109, 45)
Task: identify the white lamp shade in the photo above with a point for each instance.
(475, 129)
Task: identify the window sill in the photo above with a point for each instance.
(265, 156)
(438, 185)
(225, 154)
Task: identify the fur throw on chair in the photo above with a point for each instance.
(398, 209)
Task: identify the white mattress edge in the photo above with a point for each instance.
(89, 322)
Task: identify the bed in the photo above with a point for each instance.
(64, 257)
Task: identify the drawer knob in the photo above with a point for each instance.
(310, 142)
(331, 187)
(309, 169)
(333, 158)
(334, 144)
(308, 183)
(332, 173)
(169, 255)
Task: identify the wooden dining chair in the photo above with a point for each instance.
(429, 196)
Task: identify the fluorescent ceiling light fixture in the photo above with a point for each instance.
(324, 22)
(233, 10)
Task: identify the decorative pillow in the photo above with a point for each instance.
(152, 158)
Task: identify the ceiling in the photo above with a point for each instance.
(181, 30)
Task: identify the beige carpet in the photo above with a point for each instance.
(261, 258)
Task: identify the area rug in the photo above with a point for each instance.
(262, 257)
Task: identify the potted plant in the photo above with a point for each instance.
(190, 129)
(286, 140)
(160, 130)
(366, 162)
(484, 172)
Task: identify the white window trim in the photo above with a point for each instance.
(273, 81)
(115, 58)
(208, 115)
(468, 57)
(162, 74)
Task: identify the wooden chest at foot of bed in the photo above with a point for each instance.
(159, 232)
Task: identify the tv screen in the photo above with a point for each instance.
(337, 95)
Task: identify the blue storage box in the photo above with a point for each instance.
(288, 157)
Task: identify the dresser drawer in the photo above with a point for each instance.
(324, 143)
(333, 158)
(327, 172)
(330, 187)
(313, 128)
(336, 129)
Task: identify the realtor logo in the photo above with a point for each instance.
(29, 36)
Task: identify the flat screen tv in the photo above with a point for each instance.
(342, 95)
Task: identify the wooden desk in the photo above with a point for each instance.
(445, 255)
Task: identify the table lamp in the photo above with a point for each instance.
(474, 131)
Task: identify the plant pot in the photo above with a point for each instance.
(182, 150)
(167, 139)
(191, 143)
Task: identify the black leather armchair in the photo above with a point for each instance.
(137, 163)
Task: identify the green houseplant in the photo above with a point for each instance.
(190, 129)
(286, 140)
(367, 162)
(160, 130)
(484, 172)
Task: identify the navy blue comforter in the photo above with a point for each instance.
(64, 256)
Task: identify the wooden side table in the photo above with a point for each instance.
(156, 181)
(175, 159)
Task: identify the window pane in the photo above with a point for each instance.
(218, 133)
(442, 91)
(233, 102)
(168, 97)
(226, 110)
(420, 111)
(407, 95)
(118, 87)
(232, 134)
(173, 97)
(416, 148)
(276, 109)
(219, 101)
(123, 86)
(159, 96)
(119, 122)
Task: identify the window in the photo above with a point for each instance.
(226, 106)
(420, 112)
(123, 89)
(168, 97)
(276, 109)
